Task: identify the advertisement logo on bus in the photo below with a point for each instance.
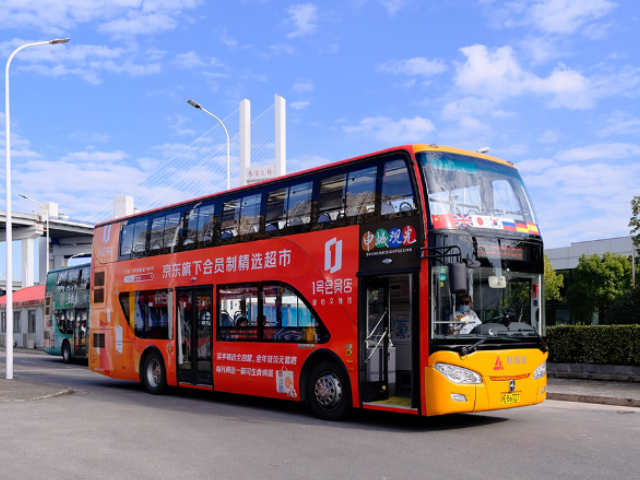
(333, 255)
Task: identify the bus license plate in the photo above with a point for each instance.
(510, 398)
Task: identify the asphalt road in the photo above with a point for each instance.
(113, 429)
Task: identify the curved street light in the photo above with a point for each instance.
(197, 105)
(7, 151)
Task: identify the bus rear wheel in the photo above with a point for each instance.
(66, 352)
(329, 393)
(154, 374)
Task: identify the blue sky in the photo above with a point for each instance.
(552, 85)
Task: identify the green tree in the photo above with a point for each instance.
(634, 223)
(553, 281)
(597, 283)
(626, 309)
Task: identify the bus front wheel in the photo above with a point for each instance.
(154, 374)
(66, 352)
(329, 393)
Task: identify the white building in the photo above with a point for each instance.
(566, 258)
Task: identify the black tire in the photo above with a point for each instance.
(66, 353)
(154, 374)
(329, 392)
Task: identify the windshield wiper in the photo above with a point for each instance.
(472, 348)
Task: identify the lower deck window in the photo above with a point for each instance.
(267, 312)
(147, 313)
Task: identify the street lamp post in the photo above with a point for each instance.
(76, 255)
(7, 152)
(47, 211)
(197, 105)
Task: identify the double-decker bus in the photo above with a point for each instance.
(67, 312)
(407, 280)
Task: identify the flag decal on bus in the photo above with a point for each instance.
(498, 365)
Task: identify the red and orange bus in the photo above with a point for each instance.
(407, 280)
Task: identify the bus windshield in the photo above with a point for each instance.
(465, 191)
(504, 290)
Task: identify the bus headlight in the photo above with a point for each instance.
(458, 374)
(541, 371)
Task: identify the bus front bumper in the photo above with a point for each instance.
(511, 386)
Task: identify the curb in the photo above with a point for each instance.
(27, 351)
(65, 391)
(573, 397)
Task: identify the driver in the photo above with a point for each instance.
(466, 315)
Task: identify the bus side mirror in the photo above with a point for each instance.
(457, 278)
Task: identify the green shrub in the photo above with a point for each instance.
(626, 309)
(601, 344)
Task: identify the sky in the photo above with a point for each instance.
(551, 85)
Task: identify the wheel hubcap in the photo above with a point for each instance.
(328, 390)
(154, 373)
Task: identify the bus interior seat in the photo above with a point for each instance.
(270, 228)
(387, 209)
(226, 235)
(323, 218)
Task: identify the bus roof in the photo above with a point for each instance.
(409, 148)
(62, 269)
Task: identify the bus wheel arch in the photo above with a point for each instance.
(153, 371)
(326, 360)
(65, 351)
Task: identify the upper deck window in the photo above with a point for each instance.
(241, 216)
(466, 192)
(397, 192)
(165, 231)
(289, 206)
(134, 237)
(347, 195)
(200, 222)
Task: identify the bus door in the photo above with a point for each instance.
(378, 362)
(79, 334)
(194, 335)
(386, 333)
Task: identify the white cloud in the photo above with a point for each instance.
(384, 129)
(304, 18)
(191, 60)
(535, 166)
(502, 114)
(550, 136)
(178, 123)
(600, 151)
(566, 16)
(498, 75)
(89, 137)
(85, 61)
(413, 66)
(119, 17)
(115, 156)
(549, 16)
(620, 123)
(170, 150)
(303, 86)
(136, 23)
(595, 197)
(394, 6)
(281, 49)
(299, 105)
